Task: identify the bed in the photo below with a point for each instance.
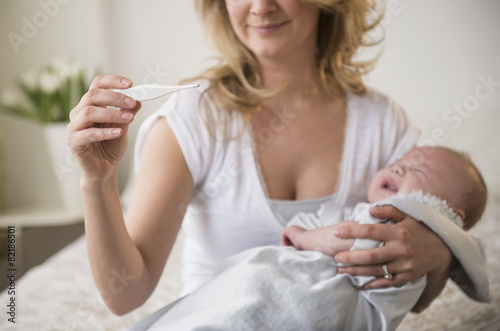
(60, 294)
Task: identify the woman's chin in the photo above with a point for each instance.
(269, 51)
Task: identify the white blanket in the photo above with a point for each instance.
(271, 288)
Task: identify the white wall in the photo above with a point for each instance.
(434, 53)
(48, 29)
(71, 28)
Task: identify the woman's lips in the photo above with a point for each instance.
(267, 29)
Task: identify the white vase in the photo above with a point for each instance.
(66, 168)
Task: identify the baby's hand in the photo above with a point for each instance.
(322, 239)
(290, 236)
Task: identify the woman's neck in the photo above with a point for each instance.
(301, 85)
(295, 69)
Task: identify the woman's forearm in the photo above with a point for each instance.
(436, 281)
(117, 266)
(128, 256)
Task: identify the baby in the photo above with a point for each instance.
(299, 288)
(437, 171)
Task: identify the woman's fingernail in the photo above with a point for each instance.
(127, 116)
(338, 258)
(341, 270)
(116, 132)
(130, 102)
(126, 81)
(337, 233)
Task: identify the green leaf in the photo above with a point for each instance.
(32, 95)
(21, 112)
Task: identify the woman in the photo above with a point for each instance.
(283, 124)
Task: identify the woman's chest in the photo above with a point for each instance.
(301, 158)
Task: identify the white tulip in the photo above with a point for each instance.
(30, 80)
(62, 67)
(59, 63)
(10, 98)
(49, 82)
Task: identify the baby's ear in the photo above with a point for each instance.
(460, 213)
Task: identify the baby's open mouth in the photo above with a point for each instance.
(390, 184)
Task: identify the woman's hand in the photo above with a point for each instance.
(410, 251)
(97, 135)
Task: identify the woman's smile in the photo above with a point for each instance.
(275, 28)
(267, 29)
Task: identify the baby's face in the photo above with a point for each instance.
(423, 169)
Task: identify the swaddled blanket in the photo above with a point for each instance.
(280, 288)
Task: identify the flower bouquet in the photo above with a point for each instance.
(49, 95)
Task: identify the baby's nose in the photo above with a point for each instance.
(398, 169)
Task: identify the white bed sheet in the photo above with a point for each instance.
(60, 294)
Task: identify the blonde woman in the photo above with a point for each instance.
(281, 125)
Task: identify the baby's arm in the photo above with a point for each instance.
(322, 239)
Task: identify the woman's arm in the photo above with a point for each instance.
(137, 248)
(411, 250)
(126, 257)
(436, 280)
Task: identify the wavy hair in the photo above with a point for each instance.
(235, 83)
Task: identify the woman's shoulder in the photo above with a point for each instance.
(376, 106)
(196, 108)
(374, 99)
(194, 104)
(188, 98)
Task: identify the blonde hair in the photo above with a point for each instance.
(235, 83)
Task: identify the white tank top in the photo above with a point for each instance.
(286, 209)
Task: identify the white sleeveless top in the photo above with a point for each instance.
(287, 209)
(230, 211)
